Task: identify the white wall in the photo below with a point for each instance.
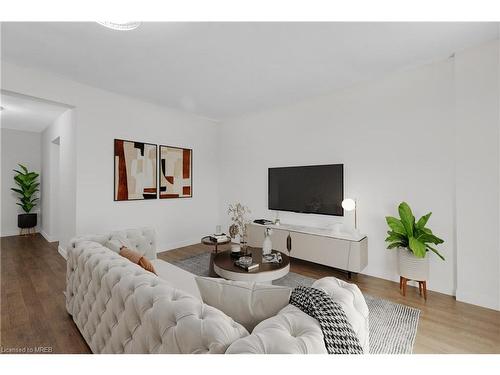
(101, 116)
(477, 188)
(18, 147)
(59, 182)
(395, 138)
(429, 136)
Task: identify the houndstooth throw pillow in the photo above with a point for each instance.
(338, 334)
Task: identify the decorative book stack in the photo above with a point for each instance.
(219, 238)
(250, 268)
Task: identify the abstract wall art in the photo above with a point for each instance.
(135, 170)
(176, 172)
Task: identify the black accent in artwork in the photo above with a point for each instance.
(163, 168)
(149, 196)
(140, 146)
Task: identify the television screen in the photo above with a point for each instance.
(315, 189)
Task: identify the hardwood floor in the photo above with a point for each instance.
(33, 313)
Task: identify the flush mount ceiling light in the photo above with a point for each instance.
(119, 25)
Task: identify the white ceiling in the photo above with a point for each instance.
(222, 70)
(28, 114)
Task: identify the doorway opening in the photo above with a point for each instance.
(39, 134)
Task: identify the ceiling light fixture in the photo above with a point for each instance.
(119, 25)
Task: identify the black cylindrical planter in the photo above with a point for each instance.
(26, 221)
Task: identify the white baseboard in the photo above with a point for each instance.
(63, 252)
(9, 234)
(46, 236)
(478, 299)
(16, 232)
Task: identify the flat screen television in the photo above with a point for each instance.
(314, 189)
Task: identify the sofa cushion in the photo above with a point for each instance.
(137, 258)
(290, 332)
(133, 239)
(353, 303)
(293, 331)
(176, 277)
(116, 244)
(248, 303)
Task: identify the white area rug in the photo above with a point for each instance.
(393, 326)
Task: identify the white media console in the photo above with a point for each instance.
(319, 245)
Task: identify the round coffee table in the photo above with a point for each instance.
(266, 273)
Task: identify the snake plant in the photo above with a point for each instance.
(27, 187)
(415, 236)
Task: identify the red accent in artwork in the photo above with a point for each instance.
(122, 193)
(186, 162)
(170, 179)
(169, 196)
(186, 190)
(150, 190)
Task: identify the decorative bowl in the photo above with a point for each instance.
(245, 261)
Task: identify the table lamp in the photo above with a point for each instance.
(349, 204)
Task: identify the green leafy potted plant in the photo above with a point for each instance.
(27, 183)
(413, 241)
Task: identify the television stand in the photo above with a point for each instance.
(345, 251)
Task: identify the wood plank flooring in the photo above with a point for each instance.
(33, 313)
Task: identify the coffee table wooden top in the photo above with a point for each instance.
(224, 267)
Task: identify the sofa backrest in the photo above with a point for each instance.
(292, 331)
(142, 240)
(121, 308)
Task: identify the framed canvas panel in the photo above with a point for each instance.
(136, 170)
(176, 172)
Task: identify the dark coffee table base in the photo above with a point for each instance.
(211, 272)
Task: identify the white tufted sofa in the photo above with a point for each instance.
(121, 308)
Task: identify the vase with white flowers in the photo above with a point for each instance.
(239, 218)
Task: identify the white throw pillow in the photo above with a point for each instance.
(115, 244)
(247, 303)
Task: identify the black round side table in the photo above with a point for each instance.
(207, 241)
